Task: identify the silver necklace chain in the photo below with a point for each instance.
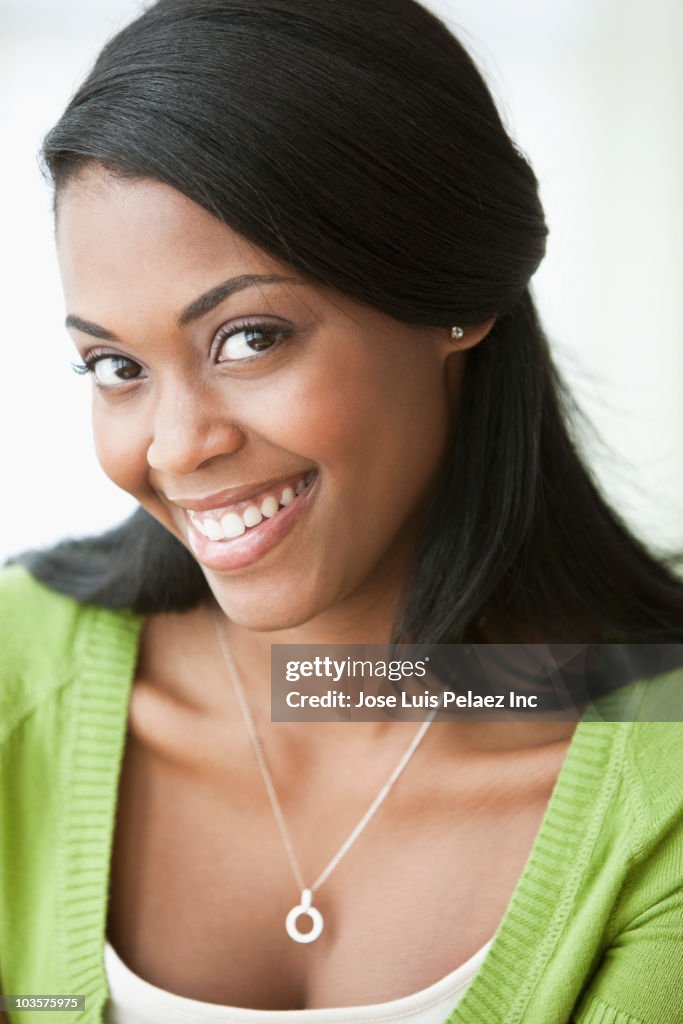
(305, 907)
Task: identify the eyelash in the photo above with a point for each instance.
(277, 335)
(93, 357)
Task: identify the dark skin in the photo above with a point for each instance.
(371, 404)
(196, 841)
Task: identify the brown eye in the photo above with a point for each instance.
(111, 371)
(245, 342)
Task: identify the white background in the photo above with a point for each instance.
(591, 90)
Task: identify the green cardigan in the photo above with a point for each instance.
(593, 933)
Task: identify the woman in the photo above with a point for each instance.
(296, 245)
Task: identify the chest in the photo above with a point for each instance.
(201, 883)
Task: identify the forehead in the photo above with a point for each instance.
(134, 243)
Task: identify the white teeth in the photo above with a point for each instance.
(213, 530)
(197, 522)
(269, 506)
(233, 525)
(252, 515)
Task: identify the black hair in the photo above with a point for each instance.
(356, 141)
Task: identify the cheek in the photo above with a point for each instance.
(327, 413)
(120, 451)
(369, 422)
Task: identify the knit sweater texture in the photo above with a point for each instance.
(593, 933)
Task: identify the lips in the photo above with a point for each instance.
(234, 495)
(232, 520)
(233, 536)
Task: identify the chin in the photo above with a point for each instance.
(270, 625)
(265, 622)
(265, 614)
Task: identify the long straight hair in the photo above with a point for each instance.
(356, 141)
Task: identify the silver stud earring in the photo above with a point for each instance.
(457, 333)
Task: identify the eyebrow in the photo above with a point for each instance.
(197, 308)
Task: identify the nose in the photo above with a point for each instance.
(190, 427)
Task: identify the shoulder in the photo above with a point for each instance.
(37, 624)
(656, 746)
(43, 639)
(38, 629)
(646, 719)
(651, 711)
(653, 761)
(29, 608)
(639, 977)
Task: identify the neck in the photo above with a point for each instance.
(362, 618)
(251, 655)
(364, 615)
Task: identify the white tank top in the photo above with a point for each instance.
(134, 1001)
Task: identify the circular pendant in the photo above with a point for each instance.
(304, 908)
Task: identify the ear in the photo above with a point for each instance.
(453, 352)
(471, 337)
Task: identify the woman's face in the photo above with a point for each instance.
(289, 437)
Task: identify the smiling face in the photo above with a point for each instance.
(225, 383)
